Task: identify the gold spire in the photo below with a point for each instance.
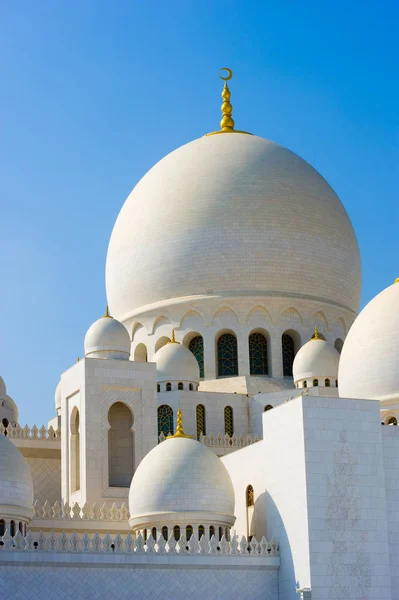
(396, 280)
(315, 336)
(179, 428)
(107, 315)
(173, 339)
(227, 122)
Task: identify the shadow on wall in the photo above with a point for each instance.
(288, 583)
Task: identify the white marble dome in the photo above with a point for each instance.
(3, 389)
(231, 214)
(181, 482)
(16, 486)
(175, 362)
(317, 359)
(369, 364)
(107, 338)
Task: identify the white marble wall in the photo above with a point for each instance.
(390, 439)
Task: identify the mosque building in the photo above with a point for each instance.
(230, 431)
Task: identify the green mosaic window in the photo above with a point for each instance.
(165, 420)
(258, 354)
(228, 421)
(200, 421)
(227, 355)
(197, 348)
(288, 350)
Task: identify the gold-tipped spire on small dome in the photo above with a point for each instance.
(396, 280)
(173, 339)
(227, 122)
(179, 428)
(107, 315)
(315, 336)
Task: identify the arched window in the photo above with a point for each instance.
(227, 355)
(305, 383)
(197, 348)
(165, 420)
(140, 353)
(168, 387)
(5, 422)
(190, 387)
(176, 533)
(228, 421)
(158, 388)
(12, 528)
(165, 533)
(189, 532)
(220, 533)
(315, 382)
(21, 527)
(288, 350)
(201, 428)
(392, 421)
(267, 407)
(180, 385)
(249, 494)
(120, 446)
(327, 383)
(154, 533)
(336, 383)
(201, 531)
(338, 345)
(75, 451)
(211, 531)
(258, 354)
(2, 527)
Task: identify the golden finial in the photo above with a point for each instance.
(396, 280)
(107, 315)
(315, 336)
(173, 339)
(179, 428)
(227, 122)
(78, 359)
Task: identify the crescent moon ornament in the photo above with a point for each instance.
(229, 74)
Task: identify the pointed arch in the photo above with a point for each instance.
(319, 319)
(258, 313)
(165, 420)
(292, 315)
(225, 314)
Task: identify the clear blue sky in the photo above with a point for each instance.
(94, 93)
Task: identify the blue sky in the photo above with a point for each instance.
(94, 93)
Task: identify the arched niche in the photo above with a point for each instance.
(120, 445)
(75, 450)
(140, 353)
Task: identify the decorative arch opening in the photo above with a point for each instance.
(196, 346)
(267, 407)
(189, 532)
(165, 420)
(315, 383)
(165, 533)
(249, 495)
(211, 531)
(227, 355)
(161, 342)
(392, 421)
(190, 387)
(12, 528)
(305, 384)
(228, 421)
(258, 360)
(154, 533)
(250, 509)
(290, 343)
(338, 345)
(2, 527)
(180, 385)
(120, 446)
(140, 353)
(201, 425)
(168, 387)
(176, 532)
(327, 383)
(75, 450)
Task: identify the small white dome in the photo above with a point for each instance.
(3, 390)
(16, 486)
(13, 408)
(57, 397)
(181, 482)
(107, 338)
(369, 364)
(316, 360)
(175, 362)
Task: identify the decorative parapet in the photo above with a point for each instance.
(75, 512)
(51, 542)
(28, 433)
(223, 441)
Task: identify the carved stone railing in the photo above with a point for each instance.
(31, 433)
(223, 441)
(87, 512)
(52, 542)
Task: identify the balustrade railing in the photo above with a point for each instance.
(31, 433)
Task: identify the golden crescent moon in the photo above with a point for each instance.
(229, 76)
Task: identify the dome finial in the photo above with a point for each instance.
(107, 315)
(396, 280)
(173, 339)
(316, 336)
(227, 122)
(179, 428)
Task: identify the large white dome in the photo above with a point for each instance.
(369, 364)
(231, 214)
(16, 486)
(180, 479)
